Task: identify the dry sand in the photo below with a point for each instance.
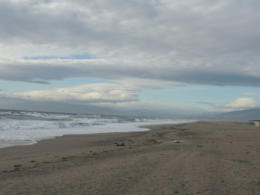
(198, 158)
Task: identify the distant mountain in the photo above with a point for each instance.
(29, 105)
(242, 115)
(19, 104)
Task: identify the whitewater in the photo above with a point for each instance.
(26, 127)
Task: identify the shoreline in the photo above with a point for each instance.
(80, 132)
(86, 134)
(193, 158)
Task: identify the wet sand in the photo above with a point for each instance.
(199, 158)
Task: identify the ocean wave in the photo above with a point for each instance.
(22, 127)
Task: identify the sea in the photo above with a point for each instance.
(27, 127)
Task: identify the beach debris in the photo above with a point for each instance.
(176, 141)
(64, 158)
(120, 143)
(256, 123)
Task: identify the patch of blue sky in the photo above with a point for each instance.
(198, 95)
(73, 57)
(71, 82)
(190, 95)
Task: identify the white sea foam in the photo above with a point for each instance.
(22, 128)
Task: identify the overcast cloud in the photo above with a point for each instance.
(192, 41)
(130, 46)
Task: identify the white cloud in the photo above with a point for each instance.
(88, 93)
(123, 91)
(242, 104)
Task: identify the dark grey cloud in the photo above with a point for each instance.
(39, 72)
(194, 42)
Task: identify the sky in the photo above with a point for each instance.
(161, 56)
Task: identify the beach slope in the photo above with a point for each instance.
(213, 158)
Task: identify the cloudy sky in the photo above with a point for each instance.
(161, 55)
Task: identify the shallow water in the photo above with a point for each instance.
(23, 127)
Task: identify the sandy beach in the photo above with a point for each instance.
(212, 158)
